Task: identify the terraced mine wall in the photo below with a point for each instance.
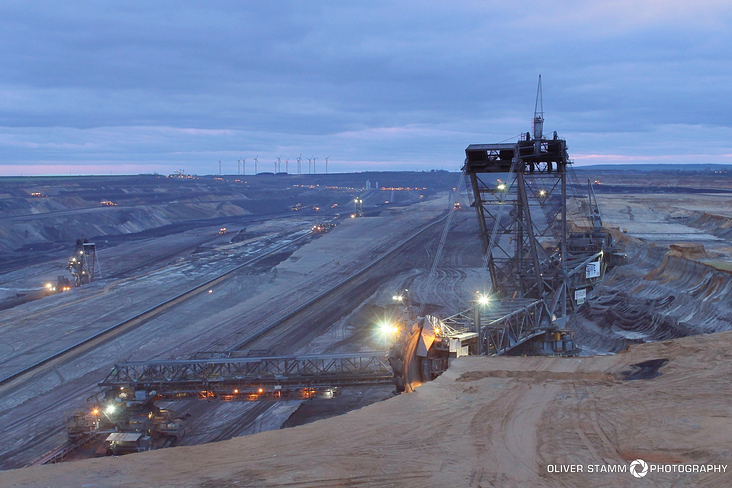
(715, 225)
(660, 294)
(37, 214)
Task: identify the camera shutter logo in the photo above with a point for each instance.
(639, 468)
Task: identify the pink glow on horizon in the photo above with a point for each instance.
(587, 159)
(50, 169)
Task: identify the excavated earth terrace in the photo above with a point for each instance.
(651, 383)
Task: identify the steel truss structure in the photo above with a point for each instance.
(84, 264)
(523, 215)
(250, 375)
(519, 191)
(502, 326)
(504, 332)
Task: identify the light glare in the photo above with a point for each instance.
(387, 329)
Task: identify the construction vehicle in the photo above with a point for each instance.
(322, 227)
(222, 231)
(536, 264)
(62, 284)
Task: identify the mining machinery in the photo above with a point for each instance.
(123, 417)
(540, 265)
(536, 264)
(84, 263)
(519, 191)
(126, 420)
(358, 204)
(424, 344)
(322, 227)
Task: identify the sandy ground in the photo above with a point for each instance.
(485, 422)
(664, 219)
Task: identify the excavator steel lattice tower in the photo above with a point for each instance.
(519, 191)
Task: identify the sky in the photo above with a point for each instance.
(102, 87)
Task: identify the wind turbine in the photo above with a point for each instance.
(279, 164)
(314, 165)
(255, 164)
(326, 164)
(299, 164)
(287, 165)
(244, 166)
(219, 167)
(275, 165)
(309, 161)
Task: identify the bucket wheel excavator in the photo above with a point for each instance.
(541, 266)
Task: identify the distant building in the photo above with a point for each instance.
(368, 184)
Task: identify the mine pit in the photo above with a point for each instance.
(278, 286)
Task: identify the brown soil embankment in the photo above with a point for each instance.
(485, 422)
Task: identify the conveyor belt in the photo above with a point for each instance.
(262, 375)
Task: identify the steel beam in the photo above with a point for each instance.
(250, 373)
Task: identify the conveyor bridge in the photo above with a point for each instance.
(259, 377)
(505, 325)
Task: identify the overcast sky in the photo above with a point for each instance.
(136, 87)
